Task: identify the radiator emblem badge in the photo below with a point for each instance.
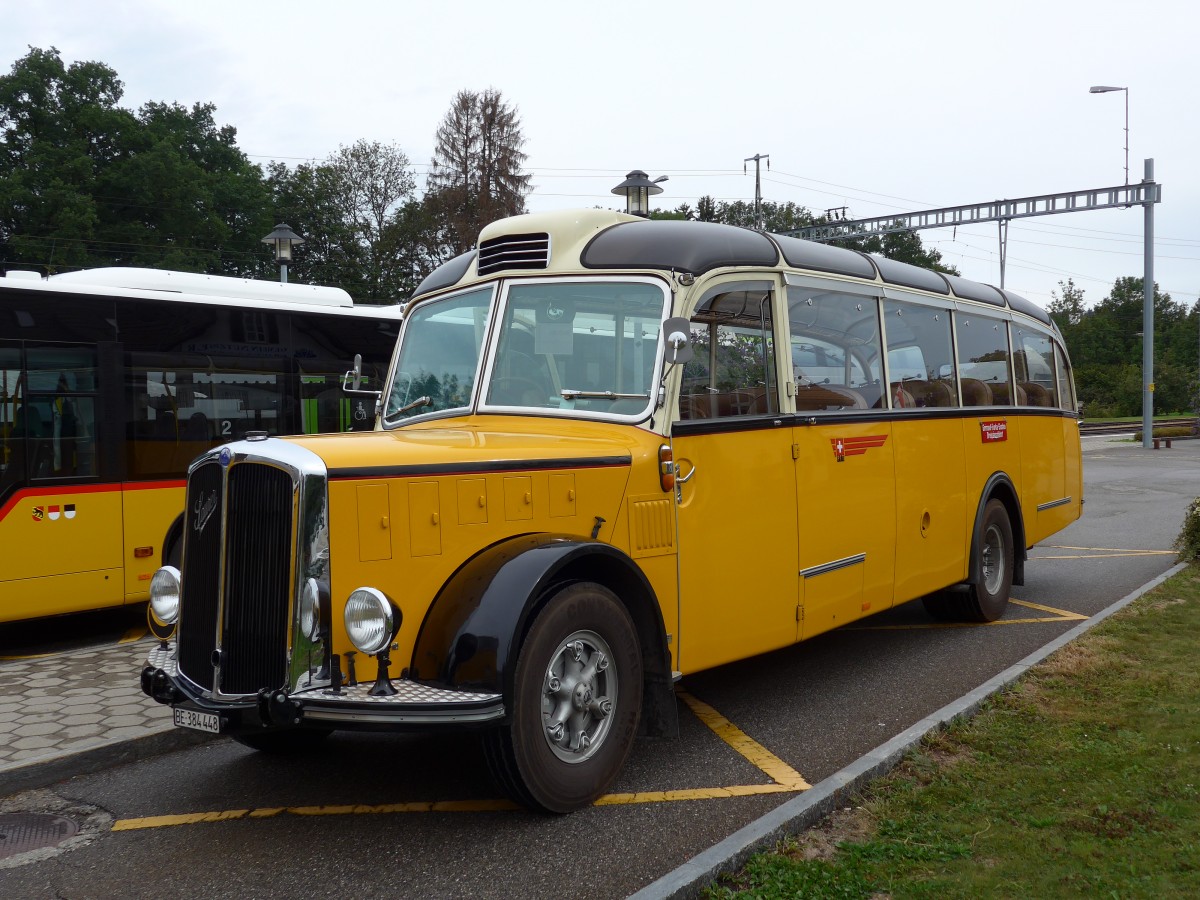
(224, 457)
(203, 511)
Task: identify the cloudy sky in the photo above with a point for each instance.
(879, 107)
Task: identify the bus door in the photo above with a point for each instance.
(737, 522)
(842, 447)
(60, 524)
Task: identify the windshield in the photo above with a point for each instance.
(578, 346)
(439, 356)
(562, 347)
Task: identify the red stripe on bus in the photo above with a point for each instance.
(57, 491)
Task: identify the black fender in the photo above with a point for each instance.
(472, 634)
(172, 539)
(999, 487)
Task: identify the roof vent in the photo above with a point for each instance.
(514, 251)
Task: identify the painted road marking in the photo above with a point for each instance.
(1100, 552)
(784, 779)
(1058, 615)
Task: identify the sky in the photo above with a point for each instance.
(883, 108)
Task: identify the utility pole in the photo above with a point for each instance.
(1148, 314)
(757, 158)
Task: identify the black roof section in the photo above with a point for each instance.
(824, 258)
(973, 290)
(912, 276)
(695, 247)
(446, 274)
(1020, 304)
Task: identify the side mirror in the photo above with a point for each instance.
(676, 334)
(352, 380)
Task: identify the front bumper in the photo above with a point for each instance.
(414, 705)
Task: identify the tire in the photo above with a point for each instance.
(987, 600)
(577, 698)
(282, 742)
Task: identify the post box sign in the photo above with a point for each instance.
(993, 430)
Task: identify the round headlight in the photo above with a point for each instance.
(310, 610)
(164, 595)
(370, 620)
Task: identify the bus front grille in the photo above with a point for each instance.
(257, 507)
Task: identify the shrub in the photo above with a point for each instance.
(1188, 542)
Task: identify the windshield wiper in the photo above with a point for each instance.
(416, 404)
(572, 394)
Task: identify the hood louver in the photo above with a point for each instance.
(514, 251)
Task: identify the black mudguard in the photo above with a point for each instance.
(472, 634)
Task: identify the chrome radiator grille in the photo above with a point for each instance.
(244, 520)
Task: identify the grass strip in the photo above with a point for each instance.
(1080, 780)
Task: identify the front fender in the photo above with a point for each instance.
(472, 634)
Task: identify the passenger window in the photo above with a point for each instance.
(835, 350)
(920, 356)
(732, 370)
(983, 360)
(59, 420)
(1033, 360)
(1066, 397)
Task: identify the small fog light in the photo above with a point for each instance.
(371, 620)
(164, 595)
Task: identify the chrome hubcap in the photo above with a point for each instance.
(993, 559)
(578, 695)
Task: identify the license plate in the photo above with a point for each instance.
(200, 721)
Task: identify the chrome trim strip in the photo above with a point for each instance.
(1042, 507)
(826, 568)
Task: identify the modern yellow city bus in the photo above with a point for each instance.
(613, 452)
(113, 380)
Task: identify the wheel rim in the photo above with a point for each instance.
(579, 696)
(993, 559)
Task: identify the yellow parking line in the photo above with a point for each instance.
(1062, 613)
(133, 635)
(758, 755)
(1106, 549)
(785, 778)
(1124, 554)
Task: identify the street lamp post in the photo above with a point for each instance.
(1104, 89)
(637, 188)
(283, 239)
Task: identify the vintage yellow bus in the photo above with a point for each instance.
(113, 380)
(611, 452)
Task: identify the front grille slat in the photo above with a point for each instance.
(257, 579)
(253, 505)
(201, 568)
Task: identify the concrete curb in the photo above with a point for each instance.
(813, 805)
(44, 771)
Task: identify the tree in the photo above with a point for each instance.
(365, 231)
(475, 175)
(1067, 310)
(85, 182)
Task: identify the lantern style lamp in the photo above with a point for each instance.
(637, 188)
(283, 239)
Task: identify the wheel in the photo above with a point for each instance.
(577, 698)
(283, 741)
(987, 600)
